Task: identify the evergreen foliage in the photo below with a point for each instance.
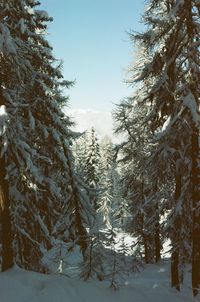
(53, 195)
(37, 179)
(138, 179)
(167, 79)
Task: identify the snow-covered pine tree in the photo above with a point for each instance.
(169, 73)
(79, 149)
(92, 162)
(94, 256)
(13, 71)
(36, 170)
(110, 200)
(112, 238)
(137, 182)
(93, 265)
(105, 199)
(119, 203)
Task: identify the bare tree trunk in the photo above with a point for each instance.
(7, 251)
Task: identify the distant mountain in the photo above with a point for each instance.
(85, 119)
(102, 122)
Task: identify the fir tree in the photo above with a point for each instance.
(138, 181)
(92, 161)
(105, 199)
(37, 178)
(168, 71)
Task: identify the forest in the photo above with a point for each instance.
(122, 207)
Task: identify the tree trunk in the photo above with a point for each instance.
(146, 251)
(175, 280)
(7, 251)
(157, 241)
(143, 232)
(157, 228)
(195, 179)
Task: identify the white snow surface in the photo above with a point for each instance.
(85, 119)
(150, 285)
(102, 122)
(3, 110)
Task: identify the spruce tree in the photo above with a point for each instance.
(138, 180)
(105, 200)
(168, 71)
(92, 162)
(37, 178)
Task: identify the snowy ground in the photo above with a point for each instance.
(150, 285)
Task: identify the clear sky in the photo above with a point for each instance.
(90, 36)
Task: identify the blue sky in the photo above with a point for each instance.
(90, 36)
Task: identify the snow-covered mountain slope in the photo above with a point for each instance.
(85, 119)
(151, 285)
